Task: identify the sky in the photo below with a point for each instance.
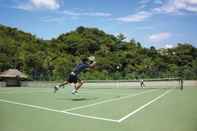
(158, 23)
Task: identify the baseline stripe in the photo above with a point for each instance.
(106, 101)
(59, 111)
(143, 106)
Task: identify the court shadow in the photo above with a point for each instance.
(78, 99)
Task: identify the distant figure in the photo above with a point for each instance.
(142, 84)
(74, 75)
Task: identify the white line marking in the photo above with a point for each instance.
(106, 101)
(28, 105)
(87, 116)
(143, 106)
(54, 110)
(91, 117)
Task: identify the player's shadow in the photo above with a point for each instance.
(78, 99)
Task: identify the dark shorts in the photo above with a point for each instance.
(73, 79)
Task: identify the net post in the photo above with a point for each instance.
(181, 82)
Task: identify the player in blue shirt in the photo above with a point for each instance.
(74, 75)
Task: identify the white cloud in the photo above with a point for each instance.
(159, 37)
(174, 6)
(40, 4)
(169, 46)
(138, 17)
(101, 14)
(145, 3)
(97, 14)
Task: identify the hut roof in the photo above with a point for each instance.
(13, 73)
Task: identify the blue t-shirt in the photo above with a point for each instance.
(80, 67)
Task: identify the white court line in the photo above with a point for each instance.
(87, 116)
(91, 117)
(143, 106)
(106, 101)
(54, 110)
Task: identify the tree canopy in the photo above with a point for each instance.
(54, 59)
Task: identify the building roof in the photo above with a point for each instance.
(13, 73)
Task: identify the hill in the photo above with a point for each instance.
(54, 59)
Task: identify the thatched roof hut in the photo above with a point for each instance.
(13, 77)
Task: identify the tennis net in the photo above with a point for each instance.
(166, 83)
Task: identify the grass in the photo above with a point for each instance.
(176, 111)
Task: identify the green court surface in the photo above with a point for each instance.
(113, 109)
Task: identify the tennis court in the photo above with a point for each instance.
(98, 108)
